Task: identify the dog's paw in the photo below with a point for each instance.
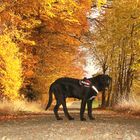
(59, 118)
(83, 119)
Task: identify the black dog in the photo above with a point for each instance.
(85, 89)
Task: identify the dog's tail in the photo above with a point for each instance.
(51, 90)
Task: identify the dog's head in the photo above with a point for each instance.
(102, 81)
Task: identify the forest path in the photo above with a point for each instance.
(109, 125)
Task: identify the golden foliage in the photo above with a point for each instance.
(11, 72)
(117, 46)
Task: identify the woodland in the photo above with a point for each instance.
(40, 39)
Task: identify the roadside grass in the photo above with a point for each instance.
(132, 106)
(19, 107)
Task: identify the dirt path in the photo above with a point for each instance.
(107, 126)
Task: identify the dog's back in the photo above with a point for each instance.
(67, 80)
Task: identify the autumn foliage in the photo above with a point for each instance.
(10, 68)
(116, 48)
(38, 42)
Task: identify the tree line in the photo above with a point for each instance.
(115, 44)
(39, 42)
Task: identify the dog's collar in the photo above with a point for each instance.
(95, 89)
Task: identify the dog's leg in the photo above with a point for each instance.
(82, 110)
(89, 105)
(56, 110)
(60, 97)
(66, 110)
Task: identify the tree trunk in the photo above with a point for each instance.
(103, 104)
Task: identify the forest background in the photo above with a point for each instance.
(40, 39)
